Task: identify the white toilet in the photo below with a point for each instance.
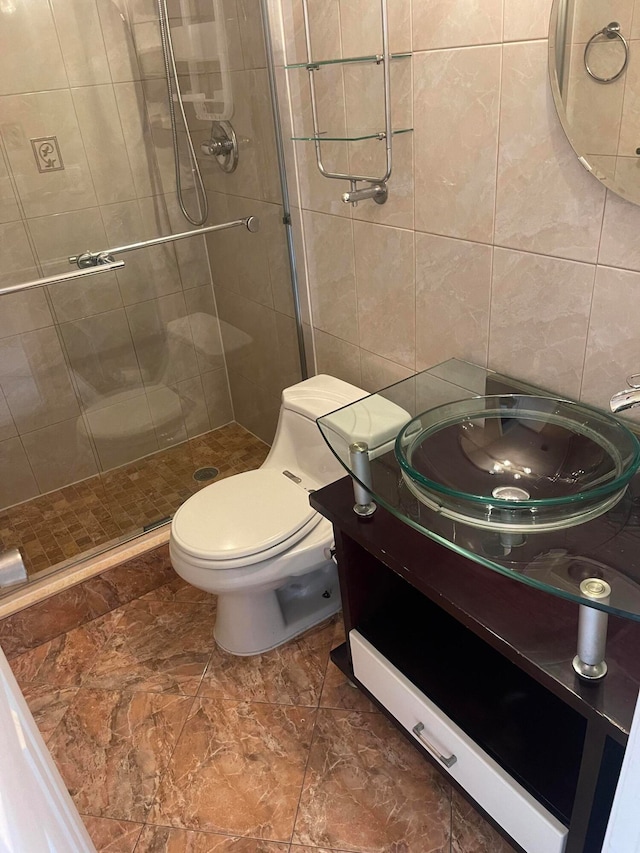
(254, 540)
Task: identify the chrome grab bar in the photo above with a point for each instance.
(92, 259)
(65, 276)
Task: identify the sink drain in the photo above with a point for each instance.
(510, 493)
(204, 474)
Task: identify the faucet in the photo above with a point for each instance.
(628, 398)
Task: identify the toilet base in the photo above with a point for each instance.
(251, 623)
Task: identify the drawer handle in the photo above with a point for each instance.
(447, 761)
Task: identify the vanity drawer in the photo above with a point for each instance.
(513, 808)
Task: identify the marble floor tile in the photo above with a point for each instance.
(292, 674)
(112, 748)
(64, 661)
(48, 705)
(470, 832)
(182, 592)
(159, 647)
(112, 836)
(338, 693)
(237, 769)
(162, 839)
(367, 789)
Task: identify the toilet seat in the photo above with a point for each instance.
(244, 519)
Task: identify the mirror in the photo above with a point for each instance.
(594, 68)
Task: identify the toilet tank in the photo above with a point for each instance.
(298, 445)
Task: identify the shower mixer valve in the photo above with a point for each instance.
(223, 145)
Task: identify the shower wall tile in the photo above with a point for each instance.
(205, 331)
(619, 246)
(218, 397)
(9, 210)
(251, 34)
(7, 426)
(254, 406)
(194, 406)
(385, 274)
(539, 318)
(24, 312)
(122, 432)
(398, 210)
(361, 27)
(138, 138)
(166, 414)
(288, 362)
(146, 37)
(546, 201)
(331, 275)
(528, 21)
(30, 24)
(453, 296)
(378, 372)
(18, 263)
(17, 482)
(60, 454)
(118, 41)
(161, 335)
(454, 23)
(324, 20)
(191, 254)
(455, 172)
(613, 346)
(35, 380)
(42, 114)
(80, 34)
(99, 122)
(102, 356)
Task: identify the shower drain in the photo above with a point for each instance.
(204, 474)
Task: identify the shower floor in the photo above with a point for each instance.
(58, 527)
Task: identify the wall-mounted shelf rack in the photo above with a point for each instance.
(375, 186)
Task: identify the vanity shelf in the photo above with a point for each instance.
(493, 658)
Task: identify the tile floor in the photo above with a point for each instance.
(70, 522)
(169, 745)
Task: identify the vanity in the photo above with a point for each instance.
(464, 634)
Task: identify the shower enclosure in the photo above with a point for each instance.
(121, 381)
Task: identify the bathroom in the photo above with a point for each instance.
(495, 246)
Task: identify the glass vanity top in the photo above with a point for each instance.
(539, 488)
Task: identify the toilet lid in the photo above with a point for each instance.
(243, 515)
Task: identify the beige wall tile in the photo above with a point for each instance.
(254, 406)
(378, 373)
(35, 380)
(30, 24)
(9, 210)
(385, 276)
(455, 156)
(453, 295)
(337, 358)
(23, 312)
(33, 116)
(398, 210)
(526, 20)
(17, 482)
(539, 319)
(7, 426)
(453, 23)
(289, 372)
(218, 398)
(80, 34)
(619, 246)
(332, 276)
(138, 138)
(251, 34)
(546, 201)
(122, 432)
(613, 345)
(118, 40)
(99, 122)
(167, 417)
(102, 356)
(60, 454)
(18, 262)
(324, 25)
(194, 406)
(361, 27)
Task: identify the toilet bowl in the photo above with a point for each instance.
(254, 540)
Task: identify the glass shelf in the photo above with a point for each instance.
(556, 561)
(322, 138)
(350, 60)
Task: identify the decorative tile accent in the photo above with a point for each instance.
(47, 154)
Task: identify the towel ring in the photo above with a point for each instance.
(611, 31)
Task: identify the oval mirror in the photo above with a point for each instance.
(594, 67)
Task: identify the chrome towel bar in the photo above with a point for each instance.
(66, 276)
(92, 259)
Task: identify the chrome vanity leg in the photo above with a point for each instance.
(360, 465)
(589, 663)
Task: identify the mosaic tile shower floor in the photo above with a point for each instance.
(169, 745)
(62, 525)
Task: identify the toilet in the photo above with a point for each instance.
(254, 540)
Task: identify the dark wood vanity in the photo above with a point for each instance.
(490, 659)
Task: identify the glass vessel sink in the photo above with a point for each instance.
(517, 462)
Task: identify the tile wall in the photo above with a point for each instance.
(95, 373)
(495, 245)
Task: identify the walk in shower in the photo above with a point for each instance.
(132, 369)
